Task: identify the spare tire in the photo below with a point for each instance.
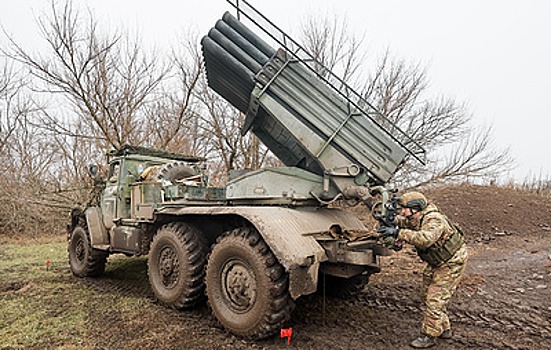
(175, 171)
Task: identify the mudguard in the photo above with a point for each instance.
(99, 237)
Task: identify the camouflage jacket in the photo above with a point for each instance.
(425, 231)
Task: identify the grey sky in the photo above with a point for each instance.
(494, 55)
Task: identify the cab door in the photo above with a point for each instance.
(110, 195)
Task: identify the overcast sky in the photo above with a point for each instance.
(494, 55)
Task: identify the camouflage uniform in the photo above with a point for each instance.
(439, 282)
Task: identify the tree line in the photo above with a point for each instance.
(91, 91)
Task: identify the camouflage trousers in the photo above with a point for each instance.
(439, 284)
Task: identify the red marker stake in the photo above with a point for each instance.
(286, 332)
(47, 264)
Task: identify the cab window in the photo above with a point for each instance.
(114, 171)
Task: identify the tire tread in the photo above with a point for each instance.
(281, 305)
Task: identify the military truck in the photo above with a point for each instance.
(270, 235)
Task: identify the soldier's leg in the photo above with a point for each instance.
(444, 282)
(427, 279)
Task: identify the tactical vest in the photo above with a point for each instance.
(440, 252)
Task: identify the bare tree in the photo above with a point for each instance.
(174, 118)
(470, 158)
(106, 78)
(26, 158)
(456, 149)
(13, 105)
(328, 40)
(222, 124)
(108, 81)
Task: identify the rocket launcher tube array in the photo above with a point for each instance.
(294, 112)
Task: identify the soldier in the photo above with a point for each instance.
(440, 244)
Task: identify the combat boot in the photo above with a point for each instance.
(447, 334)
(422, 342)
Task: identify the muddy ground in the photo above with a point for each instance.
(503, 302)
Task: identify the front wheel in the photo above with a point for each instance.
(247, 287)
(176, 265)
(84, 260)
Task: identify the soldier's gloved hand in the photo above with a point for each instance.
(388, 232)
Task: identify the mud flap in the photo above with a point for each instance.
(98, 233)
(303, 280)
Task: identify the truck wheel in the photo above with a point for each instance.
(84, 260)
(174, 171)
(176, 265)
(247, 287)
(342, 288)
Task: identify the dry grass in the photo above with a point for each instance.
(45, 306)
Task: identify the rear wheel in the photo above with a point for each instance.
(84, 260)
(247, 287)
(176, 265)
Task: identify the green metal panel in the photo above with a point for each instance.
(303, 118)
(179, 192)
(293, 184)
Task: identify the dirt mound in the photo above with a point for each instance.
(485, 212)
(492, 209)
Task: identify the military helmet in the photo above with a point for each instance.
(413, 200)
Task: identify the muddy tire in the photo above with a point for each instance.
(84, 260)
(342, 288)
(176, 265)
(247, 288)
(174, 171)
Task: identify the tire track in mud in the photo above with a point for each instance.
(458, 341)
(469, 343)
(123, 276)
(533, 322)
(135, 288)
(480, 320)
(496, 315)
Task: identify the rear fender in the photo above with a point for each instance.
(290, 234)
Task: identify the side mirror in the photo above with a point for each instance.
(93, 170)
